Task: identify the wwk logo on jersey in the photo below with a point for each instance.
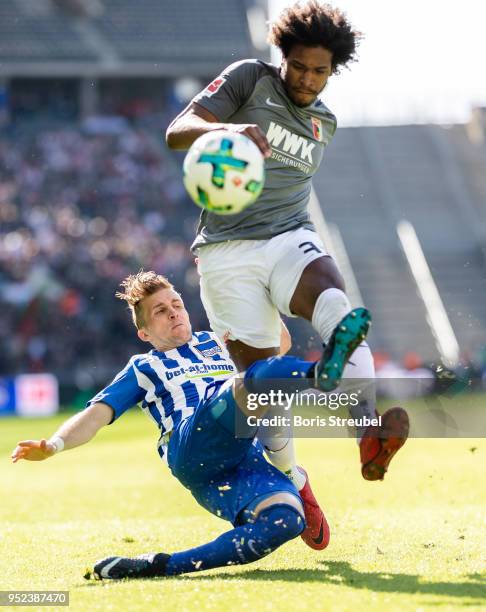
(213, 87)
(290, 142)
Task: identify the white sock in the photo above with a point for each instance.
(281, 454)
(359, 374)
(297, 477)
(330, 307)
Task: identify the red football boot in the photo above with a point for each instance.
(380, 443)
(316, 533)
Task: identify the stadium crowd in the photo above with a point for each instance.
(79, 211)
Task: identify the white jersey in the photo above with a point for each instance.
(169, 386)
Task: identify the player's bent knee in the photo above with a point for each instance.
(281, 498)
(283, 523)
(274, 526)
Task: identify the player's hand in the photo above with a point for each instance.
(254, 133)
(33, 450)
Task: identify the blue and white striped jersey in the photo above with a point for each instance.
(170, 385)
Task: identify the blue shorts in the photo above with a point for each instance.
(225, 474)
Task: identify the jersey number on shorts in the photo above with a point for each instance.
(308, 247)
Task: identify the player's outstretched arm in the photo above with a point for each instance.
(194, 121)
(77, 430)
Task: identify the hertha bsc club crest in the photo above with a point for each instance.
(210, 348)
(317, 128)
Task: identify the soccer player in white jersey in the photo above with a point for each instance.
(187, 384)
(269, 258)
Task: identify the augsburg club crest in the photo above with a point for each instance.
(317, 128)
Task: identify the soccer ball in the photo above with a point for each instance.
(224, 172)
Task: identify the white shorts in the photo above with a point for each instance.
(246, 283)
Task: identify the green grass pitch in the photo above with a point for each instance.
(415, 541)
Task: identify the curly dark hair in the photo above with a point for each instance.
(314, 24)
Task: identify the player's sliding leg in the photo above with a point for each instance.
(280, 452)
(278, 443)
(247, 543)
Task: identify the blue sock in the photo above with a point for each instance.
(273, 527)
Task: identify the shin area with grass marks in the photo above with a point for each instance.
(415, 541)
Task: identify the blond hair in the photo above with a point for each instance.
(139, 286)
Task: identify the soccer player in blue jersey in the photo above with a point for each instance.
(187, 385)
(268, 259)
